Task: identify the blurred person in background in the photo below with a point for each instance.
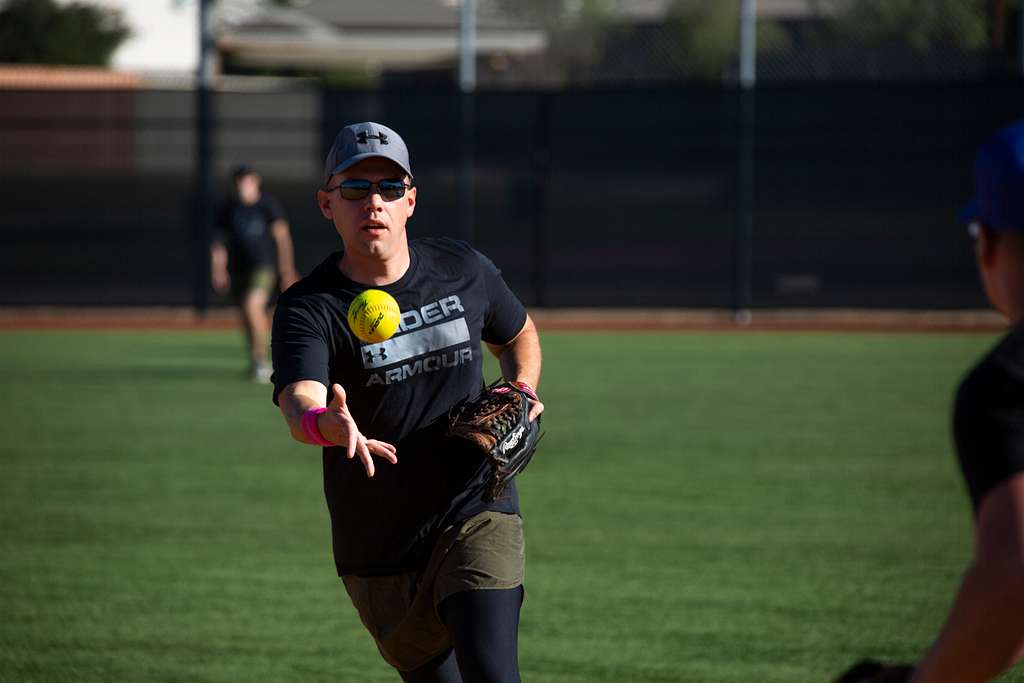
(983, 635)
(252, 254)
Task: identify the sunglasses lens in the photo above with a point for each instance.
(390, 190)
(354, 189)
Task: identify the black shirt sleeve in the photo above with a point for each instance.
(506, 315)
(988, 427)
(272, 209)
(300, 345)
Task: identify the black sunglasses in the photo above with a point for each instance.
(357, 188)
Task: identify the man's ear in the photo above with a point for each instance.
(985, 246)
(410, 201)
(323, 200)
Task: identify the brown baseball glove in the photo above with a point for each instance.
(497, 422)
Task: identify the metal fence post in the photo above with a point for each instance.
(743, 284)
(203, 185)
(467, 114)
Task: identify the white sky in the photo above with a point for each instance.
(165, 35)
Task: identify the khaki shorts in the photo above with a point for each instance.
(400, 611)
(262, 279)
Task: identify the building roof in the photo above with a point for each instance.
(45, 77)
(423, 14)
(391, 34)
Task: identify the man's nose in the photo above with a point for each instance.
(374, 200)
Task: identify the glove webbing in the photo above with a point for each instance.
(492, 404)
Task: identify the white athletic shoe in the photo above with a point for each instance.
(261, 373)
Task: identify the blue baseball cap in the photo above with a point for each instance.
(360, 141)
(999, 179)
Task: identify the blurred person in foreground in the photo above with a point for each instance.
(984, 632)
(434, 569)
(252, 254)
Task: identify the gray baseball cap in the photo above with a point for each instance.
(360, 141)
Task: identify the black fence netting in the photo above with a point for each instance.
(584, 197)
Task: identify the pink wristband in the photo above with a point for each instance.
(525, 386)
(310, 428)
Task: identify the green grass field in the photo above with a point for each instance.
(705, 507)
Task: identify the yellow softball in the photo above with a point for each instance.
(373, 316)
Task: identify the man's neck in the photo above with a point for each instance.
(369, 271)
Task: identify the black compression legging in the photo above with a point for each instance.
(484, 626)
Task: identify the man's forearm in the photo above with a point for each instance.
(218, 257)
(984, 634)
(293, 410)
(294, 400)
(285, 249)
(520, 360)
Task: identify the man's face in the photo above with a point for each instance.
(248, 188)
(999, 255)
(369, 227)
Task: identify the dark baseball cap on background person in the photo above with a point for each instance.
(366, 140)
(242, 170)
(999, 180)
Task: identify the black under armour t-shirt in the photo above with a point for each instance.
(244, 229)
(988, 422)
(399, 391)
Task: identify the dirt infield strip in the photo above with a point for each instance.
(581, 319)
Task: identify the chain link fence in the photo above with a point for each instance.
(612, 170)
(643, 42)
(584, 197)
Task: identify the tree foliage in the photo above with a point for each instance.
(922, 24)
(43, 32)
(706, 35)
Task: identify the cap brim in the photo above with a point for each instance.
(353, 160)
(970, 212)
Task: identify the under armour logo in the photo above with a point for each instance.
(370, 353)
(363, 137)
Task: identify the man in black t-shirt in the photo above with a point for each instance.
(251, 253)
(434, 571)
(984, 631)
